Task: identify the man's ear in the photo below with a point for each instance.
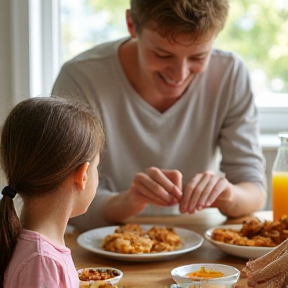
(81, 176)
(129, 24)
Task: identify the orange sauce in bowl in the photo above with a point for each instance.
(204, 274)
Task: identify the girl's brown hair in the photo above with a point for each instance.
(43, 140)
(195, 18)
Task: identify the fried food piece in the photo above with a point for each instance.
(135, 228)
(255, 233)
(165, 239)
(256, 241)
(251, 228)
(132, 239)
(228, 236)
(128, 243)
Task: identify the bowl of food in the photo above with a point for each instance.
(91, 277)
(211, 274)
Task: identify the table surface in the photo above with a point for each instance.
(158, 273)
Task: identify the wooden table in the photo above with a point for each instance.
(157, 274)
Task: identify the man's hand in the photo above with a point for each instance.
(203, 190)
(156, 186)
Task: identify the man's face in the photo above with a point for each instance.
(170, 67)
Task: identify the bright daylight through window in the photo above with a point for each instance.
(256, 30)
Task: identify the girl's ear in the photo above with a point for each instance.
(129, 24)
(81, 176)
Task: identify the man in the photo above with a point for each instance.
(169, 103)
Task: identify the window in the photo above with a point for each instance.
(101, 21)
(256, 29)
(243, 34)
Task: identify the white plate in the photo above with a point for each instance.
(240, 251)
(93, 239)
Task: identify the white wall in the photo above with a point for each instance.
(5, 65)
(5, 59)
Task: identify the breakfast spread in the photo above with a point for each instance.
(132, 239)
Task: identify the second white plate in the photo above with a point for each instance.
(240, 251)
(93, 239)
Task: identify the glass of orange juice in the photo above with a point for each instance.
(280, 179)
(280, 194)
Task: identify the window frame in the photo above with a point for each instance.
(35, 28)
(36, 58)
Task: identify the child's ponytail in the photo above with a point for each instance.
(10, 228)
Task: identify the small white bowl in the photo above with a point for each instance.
(231, 274)
(113, 281)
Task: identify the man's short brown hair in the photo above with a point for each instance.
(195, 18)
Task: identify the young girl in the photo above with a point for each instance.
(50, 152)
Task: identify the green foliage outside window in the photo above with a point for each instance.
(258, 31)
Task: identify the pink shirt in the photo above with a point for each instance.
(38, 263)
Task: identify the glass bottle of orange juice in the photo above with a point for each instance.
(280, 179)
